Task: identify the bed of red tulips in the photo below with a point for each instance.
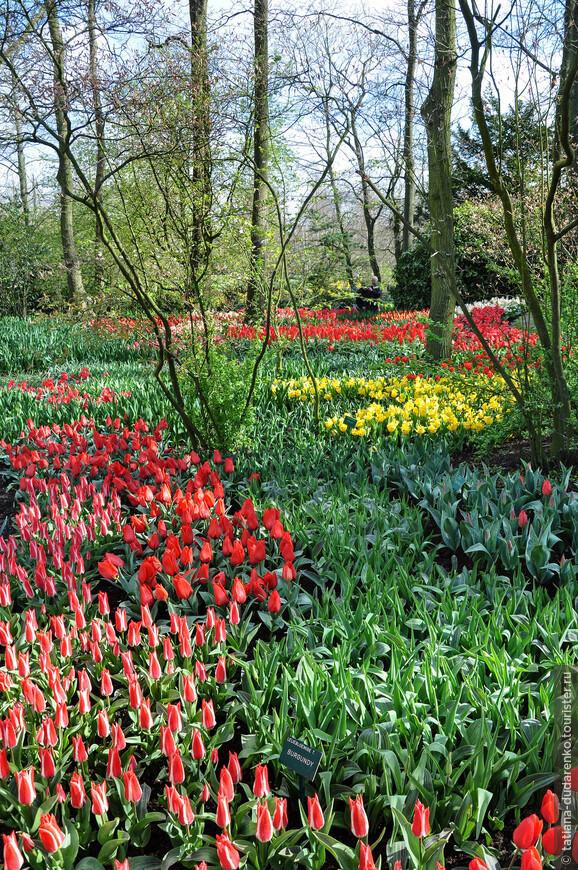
(107, 710)
(406, 330)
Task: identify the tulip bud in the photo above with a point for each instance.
(359, 821)
(420, 825)
(315, 816)
(527, 832)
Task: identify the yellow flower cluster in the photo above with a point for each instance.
(408, 405)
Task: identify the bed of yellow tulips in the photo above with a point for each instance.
(407, 405)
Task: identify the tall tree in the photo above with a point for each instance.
(344, 241)
(260, 154)
(370, 215)
(546, 314)
(202, 237)
(413, 19)
(65, 178)
(99, 126)
(21, 159)
(436, 112)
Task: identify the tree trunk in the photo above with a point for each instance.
(22, 180)
(71, 260)
(370, 220)
(571, 27)
(343, 234)
(202, 240)
(563, 157)
(260, 157)
(100, 150)
(408, 150)
(436, 112)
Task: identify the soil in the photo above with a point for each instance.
(510, 455)
(7, 510)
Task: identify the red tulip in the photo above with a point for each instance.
(174, 718)
(546, 488)
(13, 858)
(25, 784)
(274, 603)
(280, 815)
(226, 785)
(50, 834)
(208, 715)
(183, 588)
(198, 747)
(132, 789)
(176, 769)
(550, 808)
(77, 792)
(118, 738)
(206, 553)
(47, 768)
(531, 859)
(221, 595)
(4, 765)
(264, 830)
(99, 799)
(420, 825)
(573, 777)
(553, 840)
(359, 822)
(229, 858)
(223, 816)
(315, 817)
(523, 519)
(261, 785)
(235, 768)
(107, 570)
(477, 864)
(185, 811)
(527, 832)
(221, 670)
(237, 554)
(366, 861)
(114, 764)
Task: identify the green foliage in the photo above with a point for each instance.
(29, 272)
(484, 267)
(520, 142)
(39, 345)
(215, 381)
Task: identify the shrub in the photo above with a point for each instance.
(483, 263)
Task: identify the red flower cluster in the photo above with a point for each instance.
(116, 505)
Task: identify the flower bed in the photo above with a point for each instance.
(407, 406)
(107, 709)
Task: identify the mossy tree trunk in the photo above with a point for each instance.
(436, 112)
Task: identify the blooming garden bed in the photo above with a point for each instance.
(167, 620)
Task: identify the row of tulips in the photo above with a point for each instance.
(399, 328)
